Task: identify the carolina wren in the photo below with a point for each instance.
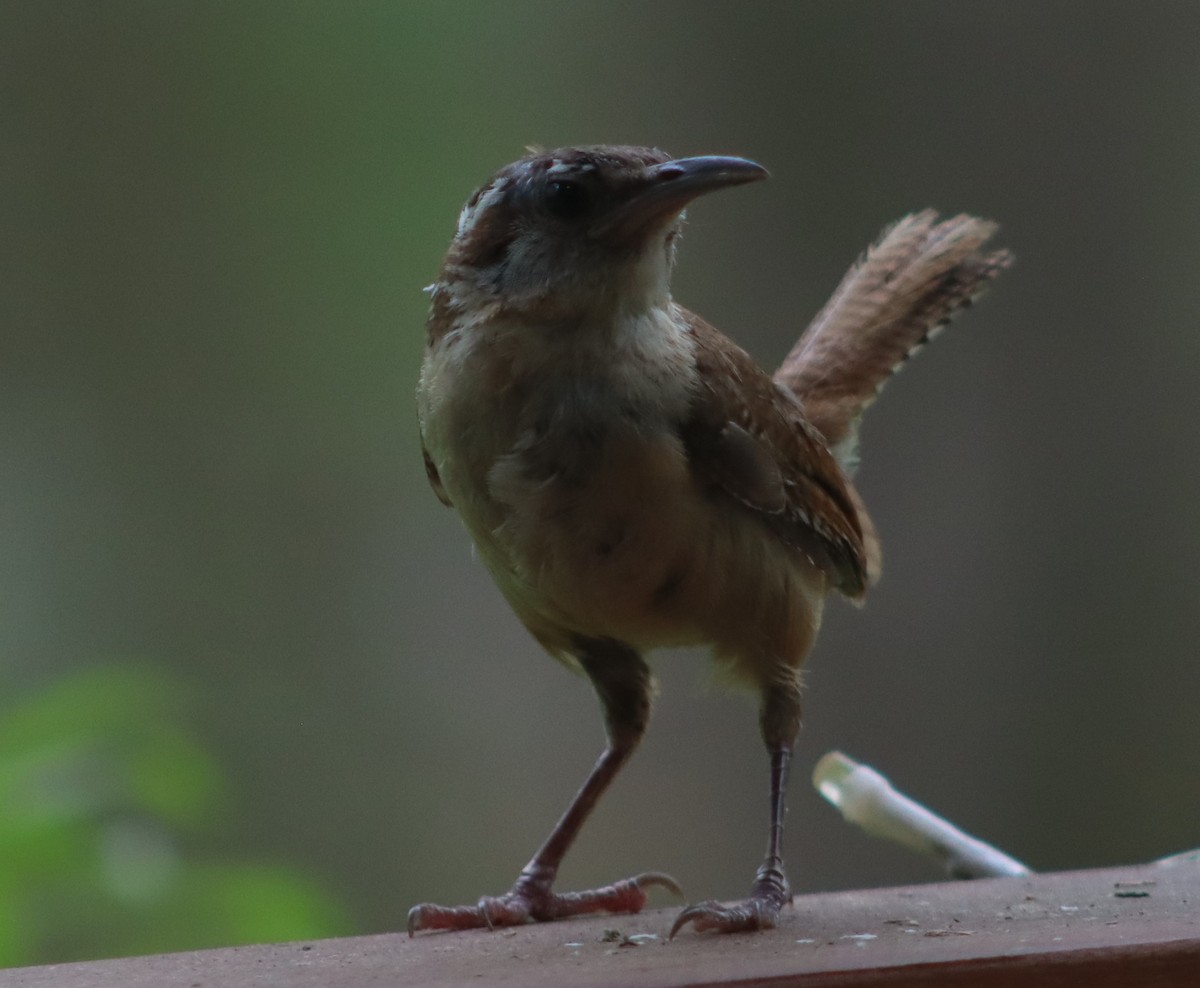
(633, 479)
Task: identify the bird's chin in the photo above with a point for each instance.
(637, 229)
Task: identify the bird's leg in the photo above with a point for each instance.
(780, 722)
(625, 686)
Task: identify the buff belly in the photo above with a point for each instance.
(629, 546)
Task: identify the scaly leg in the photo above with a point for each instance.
(780, 721)
(626, 689)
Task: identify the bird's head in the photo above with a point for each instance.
(560, 235)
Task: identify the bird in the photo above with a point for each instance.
(632, 479)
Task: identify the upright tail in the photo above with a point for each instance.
(895, 298)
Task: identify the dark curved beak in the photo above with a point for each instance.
(661, 192)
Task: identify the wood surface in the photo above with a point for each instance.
(1138, 925)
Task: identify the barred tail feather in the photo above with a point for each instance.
(894, 299)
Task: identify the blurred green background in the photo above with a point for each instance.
(216, 542)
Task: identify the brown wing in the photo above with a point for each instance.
(899, 293)
(748, 438)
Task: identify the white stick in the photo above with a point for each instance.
(867, 799)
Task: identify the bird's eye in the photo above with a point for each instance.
(567, 200)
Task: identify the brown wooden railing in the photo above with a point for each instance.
(1136, 926)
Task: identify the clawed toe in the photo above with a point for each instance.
(626, 896)
(755, 913)
(511, 909)
(531, 900)
(650, 879)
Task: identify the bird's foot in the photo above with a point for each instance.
(532, 900)
(758, 912)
